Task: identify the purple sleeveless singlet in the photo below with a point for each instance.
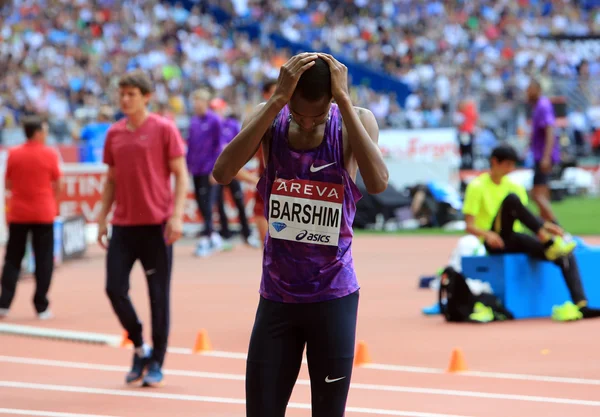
(310, 206)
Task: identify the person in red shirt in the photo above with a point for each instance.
(142, 150)
(33, 179)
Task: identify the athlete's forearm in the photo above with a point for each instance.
(108, 198)
(472, 229)
(243, 147)
(181, 187)
(246, 176)
(364, 148)
(549, 144)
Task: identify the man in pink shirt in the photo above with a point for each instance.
(142, 150)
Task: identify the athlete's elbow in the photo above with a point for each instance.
(220, 173)
(378, 183)
(220, 176)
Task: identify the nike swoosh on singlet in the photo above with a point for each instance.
(317, 169)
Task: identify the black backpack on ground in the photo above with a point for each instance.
(457, 302)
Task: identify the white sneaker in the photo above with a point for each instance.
(254, 241)
(216, 241)
(45, 315)
(3, 312)
(203, 248)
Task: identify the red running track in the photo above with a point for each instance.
(43, 377)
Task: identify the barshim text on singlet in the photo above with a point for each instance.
(306, 211)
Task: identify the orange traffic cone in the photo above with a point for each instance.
(457, 361)
(202, 342)
(362, 356)
(125, 342)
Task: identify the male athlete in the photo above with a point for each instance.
(142, 150)
(545, 148)
(496, 211)
(309, 291)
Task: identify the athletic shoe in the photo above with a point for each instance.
(45, 315)
(203, 248)
(560, 248)
(254, 241)
(137, 368)
(481, 313)
(432, 310)
(154, 376)
(3, 312)
(566, 312)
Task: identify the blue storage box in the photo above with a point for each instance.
(529, 288)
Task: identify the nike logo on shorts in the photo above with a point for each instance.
(317, 169)
(329, 381)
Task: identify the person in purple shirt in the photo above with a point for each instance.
(230, 127)
(204, 146)
(545, 148)
(309, 291)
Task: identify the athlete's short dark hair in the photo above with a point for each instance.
(315, 82)
(32, 124)
(137, 79)
(505, 152)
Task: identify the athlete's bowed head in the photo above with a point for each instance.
(307, 85)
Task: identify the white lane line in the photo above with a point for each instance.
(305, 382)
(198, 398)
(20, 412)
(114, 341)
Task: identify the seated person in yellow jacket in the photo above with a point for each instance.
(495, 210)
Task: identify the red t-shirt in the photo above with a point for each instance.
(140, 159)
(32, 169)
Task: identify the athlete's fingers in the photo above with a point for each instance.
(305, 67)
(300, 65)
(327, 58)
(333, 63)
(293, 60)
(101, 241)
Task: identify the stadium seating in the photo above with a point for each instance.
(530, 288)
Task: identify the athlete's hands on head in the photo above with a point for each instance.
(290, 73)
(339, 77)
(174, 229)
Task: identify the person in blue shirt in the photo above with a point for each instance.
(93, 136)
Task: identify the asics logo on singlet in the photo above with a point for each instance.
(313, 168)
(279, 226)
(312, 237)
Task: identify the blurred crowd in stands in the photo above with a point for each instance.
(467, 62)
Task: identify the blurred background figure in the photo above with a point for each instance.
(230, 127)
(204, 146)
(33, 177)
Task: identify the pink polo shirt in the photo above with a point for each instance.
(140, 158)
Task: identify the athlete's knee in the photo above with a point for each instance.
(115, 292)
(331, 402)
(512, 199)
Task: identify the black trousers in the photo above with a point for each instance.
(512, 210)
(275, 355)
(43, 249)
(238, 197)
(206, 195)
(147, 244)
